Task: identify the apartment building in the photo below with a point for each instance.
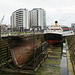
(19, 20)
(38, 18)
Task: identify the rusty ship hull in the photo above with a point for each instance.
(22, 49)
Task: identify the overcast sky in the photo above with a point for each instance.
(60, 10)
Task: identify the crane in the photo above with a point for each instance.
(2, 20)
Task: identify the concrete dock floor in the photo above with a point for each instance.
(51, 66)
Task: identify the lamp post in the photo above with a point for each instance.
(34, 46)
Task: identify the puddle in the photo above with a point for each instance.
(63, 64)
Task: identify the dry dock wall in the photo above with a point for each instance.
(71, 48)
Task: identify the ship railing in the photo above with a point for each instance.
(50, 31)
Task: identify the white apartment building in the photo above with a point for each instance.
(19, 19)
(38, 18)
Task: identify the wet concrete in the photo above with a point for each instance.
(51, 66)
(63, 64)
(71, 54)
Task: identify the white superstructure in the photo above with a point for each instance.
(58, 30)
(53, 29)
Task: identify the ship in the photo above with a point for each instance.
(22, 48)
(53, 34)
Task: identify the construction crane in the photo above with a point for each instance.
(2, 20)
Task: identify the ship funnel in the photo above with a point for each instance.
(56, 22)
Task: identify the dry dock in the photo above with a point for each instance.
(50, 64)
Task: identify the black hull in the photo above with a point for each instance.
(53, 38)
